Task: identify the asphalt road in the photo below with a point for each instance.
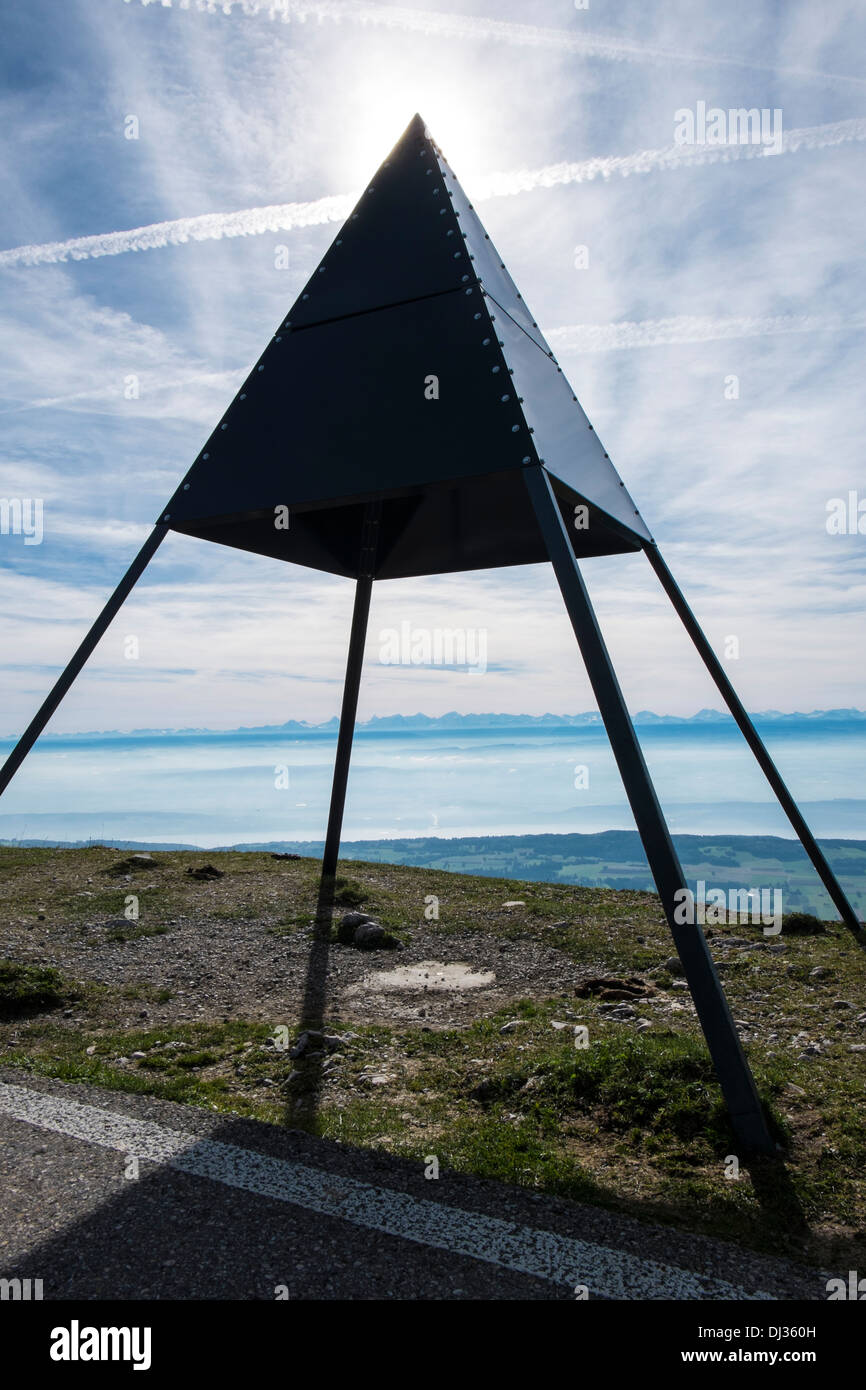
(116, 1196)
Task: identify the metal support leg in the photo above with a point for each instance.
(736, 1079)
(37, 724)
(752, 737)
(363, 590)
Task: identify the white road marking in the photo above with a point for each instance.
(607, 1273)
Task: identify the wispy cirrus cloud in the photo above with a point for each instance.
(286, 217)
(447, 25)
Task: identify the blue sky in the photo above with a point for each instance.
(700, 269)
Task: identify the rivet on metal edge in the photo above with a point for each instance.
(305, 296)
(242, 396)
(485, 342)
(224, 427)
(476, 316)
(261, 367)
(526, 459)
(505, 398)
(205, 456)
(463, 278)
(186, 487)
(514, 429)
(494, 369)
(167, 517)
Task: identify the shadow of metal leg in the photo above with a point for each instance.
(735, 1077)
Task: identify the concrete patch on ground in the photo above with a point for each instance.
(428, 976)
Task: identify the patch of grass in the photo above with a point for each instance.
(133, 931)
(27, 989)
(348, 893)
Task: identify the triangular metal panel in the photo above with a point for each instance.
(486, 262)
(340, 411)
(401, 242)
(564, 439)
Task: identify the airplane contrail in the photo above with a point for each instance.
(286, 217)
(610, 337)
(438, 24)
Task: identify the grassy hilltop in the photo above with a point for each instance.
(139, 975)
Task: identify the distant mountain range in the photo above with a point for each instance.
(408, 723)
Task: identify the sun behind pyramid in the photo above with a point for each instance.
(409, 369)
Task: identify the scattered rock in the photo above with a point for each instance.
(535, 1083)
(206, 872)
(857, 1047)
(794, 1090)
(139, 1054)
(674, 966)
(820, 972)
(514, 903)
(135, 863)
(313, 1042)
(841, 1004)
(285, 856)
(619, 1012)
(370, 936)
(349, 922)
(615, 987)
(510, 1027)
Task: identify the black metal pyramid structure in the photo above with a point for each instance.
(408, 417)
(338, 409)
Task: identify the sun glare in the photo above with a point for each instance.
(385, 108)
